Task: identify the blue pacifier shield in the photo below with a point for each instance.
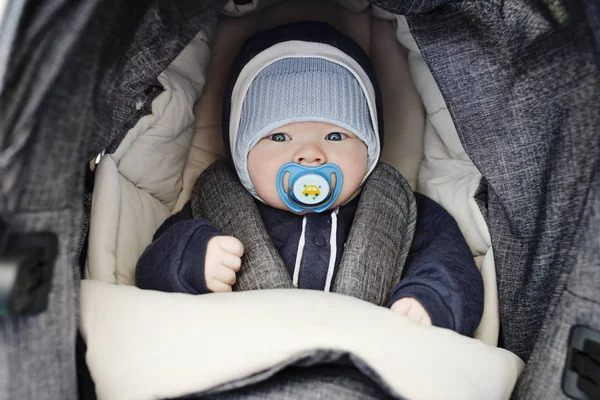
(310, 188)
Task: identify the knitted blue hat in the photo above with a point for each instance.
(301, 89)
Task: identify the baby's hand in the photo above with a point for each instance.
(410, 307)
(223, 260)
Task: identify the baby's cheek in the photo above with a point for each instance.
(264, 180)
(355, 165)
(354, 168)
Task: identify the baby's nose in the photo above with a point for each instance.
(310, 155)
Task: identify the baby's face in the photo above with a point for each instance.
(310, 144)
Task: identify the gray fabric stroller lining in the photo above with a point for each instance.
(335, 374)
(520, 78)
(528, 202)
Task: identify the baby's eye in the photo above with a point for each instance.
(279, 137)
(335, 136)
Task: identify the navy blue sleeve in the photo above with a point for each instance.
(440, 271)
(183, 215)
(174, 261)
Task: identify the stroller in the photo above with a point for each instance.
(110, 110)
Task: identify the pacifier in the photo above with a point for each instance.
(309, 188)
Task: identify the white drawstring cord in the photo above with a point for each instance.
(333, 250)
(299, 254)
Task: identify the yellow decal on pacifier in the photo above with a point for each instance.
(311, 190)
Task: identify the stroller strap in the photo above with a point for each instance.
(375, 251)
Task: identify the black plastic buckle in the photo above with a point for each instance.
(26, 269)
(581, 376)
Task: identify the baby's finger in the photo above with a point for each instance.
(216, 286)
(425, 319)
(231, 261)
(402, 306)
(225, 275)
(415, 313)
(231, 245)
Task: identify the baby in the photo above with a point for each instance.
(303, 130)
